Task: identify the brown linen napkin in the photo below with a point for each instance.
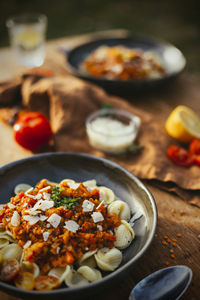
(9, 91)
(68, 101)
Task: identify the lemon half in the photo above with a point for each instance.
(183, 124)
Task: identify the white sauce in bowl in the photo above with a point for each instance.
(111, 135)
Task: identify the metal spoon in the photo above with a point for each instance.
(166, 284)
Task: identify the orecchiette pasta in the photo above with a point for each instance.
(27, 266)
(108, 259)
(90, 274)
(124, 235)
(3, 242)
(121, 209)
(90, 183)
(5, 238)
(73, 278)
(12, 251)
(22, 187)
(88, 259)
(61, 273)
(106, 195)
(10, 235)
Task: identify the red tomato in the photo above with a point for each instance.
(197, 160)
(194, 147)
(32, 130)
(180, 156)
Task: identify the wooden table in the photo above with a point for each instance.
(174, 215)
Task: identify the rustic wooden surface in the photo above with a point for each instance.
(185, 219)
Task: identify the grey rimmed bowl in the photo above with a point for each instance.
(80, 167)
(171, 57)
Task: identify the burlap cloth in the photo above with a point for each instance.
(68, 101)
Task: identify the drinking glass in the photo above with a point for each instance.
(27, 38)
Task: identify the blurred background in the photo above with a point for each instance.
(176, 21)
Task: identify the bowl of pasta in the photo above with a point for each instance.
(133, 62)
(69, 224)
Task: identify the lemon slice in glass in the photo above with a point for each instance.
(28, 39)
(183, 124)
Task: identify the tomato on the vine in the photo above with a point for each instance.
(32, 130)
(180, 156)
(194, 147)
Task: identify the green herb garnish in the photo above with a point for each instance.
(106, 105)
(132, 149)
(67, 202)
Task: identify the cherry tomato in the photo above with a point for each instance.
(32, 130)
(197, 160)
(180, 156)
(9, 270)
(25, 281)
(46, 283)
(194, 147)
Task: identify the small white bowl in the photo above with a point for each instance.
(112, 130)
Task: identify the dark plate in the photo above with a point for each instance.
(172, 59)
(80, 167)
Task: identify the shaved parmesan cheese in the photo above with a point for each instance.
(87, 206)
(32, 212)
(71, 226)
(39, 196)
(15, 220)
(31, 219)
(97, 217)
(73, 185)
(27, 193)
(30, 196)
(100, 204)
(45, 188)
(43, 218)
(47, 196)
(29, 190)
(116, 68)
(45, 235)
(57, 250)
(40, 205)
(10, 205)
(100, 227)
(43, 204)
(54, 220)
(28, 243)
